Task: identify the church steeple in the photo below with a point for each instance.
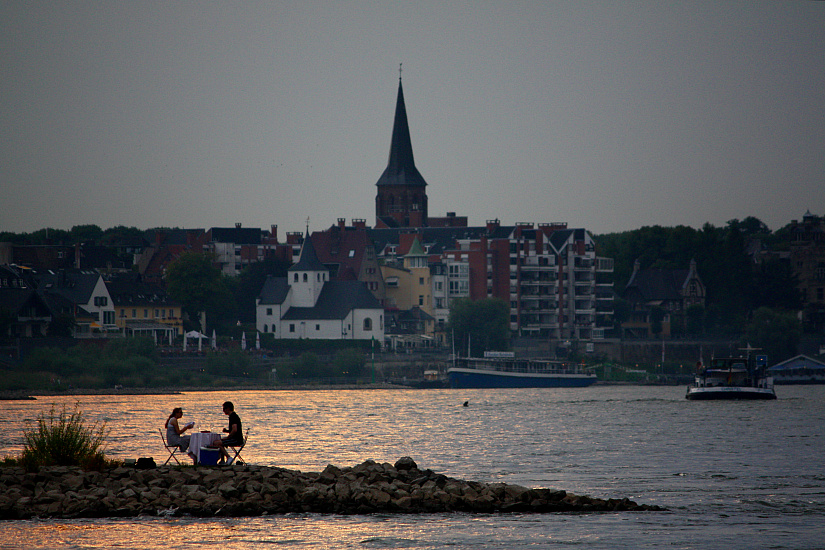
(402, 197)
(308, 276)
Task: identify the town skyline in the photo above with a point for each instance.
(608, 117)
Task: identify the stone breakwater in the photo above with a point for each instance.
(370, 487)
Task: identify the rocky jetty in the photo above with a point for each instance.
(245, 490)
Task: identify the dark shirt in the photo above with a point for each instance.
(238, 435)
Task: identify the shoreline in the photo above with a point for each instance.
(68, 492)
(26, 395)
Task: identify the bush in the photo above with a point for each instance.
(234, 364)
(62, 439)
(349, 362)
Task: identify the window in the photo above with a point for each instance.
(420, 300)
(352, 253)
(269, 311)
(273, 327)
(145, 313)
(134, 313)
(305, 277)
(266, 329)
(291, 327)
(317, 327)
(367, 324)
(421, 280)
(295, 278)
(318, 277)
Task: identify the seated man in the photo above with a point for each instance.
(234, 437)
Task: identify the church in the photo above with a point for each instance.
(401, 200)
(308, 304)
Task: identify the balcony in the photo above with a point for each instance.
(604, 265)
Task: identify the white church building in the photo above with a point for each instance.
(307, 304)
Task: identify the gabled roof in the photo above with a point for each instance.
(274, 291)
(414, 314)
(130, 291)
(416, 249)
(60, 304)
(309, 259)
(657, 284)
(14, 299)
(401, 168)
(341, 247)
(75, 285)
(336, 301)
(798, 362)
(237, 235)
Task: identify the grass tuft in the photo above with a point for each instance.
(62, 439)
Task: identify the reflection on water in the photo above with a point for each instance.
(728, 472)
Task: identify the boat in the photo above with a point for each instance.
(504, 370)
(732, 378)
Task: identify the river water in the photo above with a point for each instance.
(734, 475)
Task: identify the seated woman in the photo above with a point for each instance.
(174, 432)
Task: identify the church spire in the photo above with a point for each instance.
(401, 168)
(401, 200)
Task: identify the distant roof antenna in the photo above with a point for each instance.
(399, 72)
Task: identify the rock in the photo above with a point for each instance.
(368, 487)
(406, 463)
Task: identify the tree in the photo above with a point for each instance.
(84, 233)
(657, 315)
(198, 285)
(483, 324)
(694, 319)
(621, 313)
(250, 282)
(775, 332)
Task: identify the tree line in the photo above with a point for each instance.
(749, 297)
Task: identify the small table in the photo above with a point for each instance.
(201, 439)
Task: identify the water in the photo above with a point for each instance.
(732, 474)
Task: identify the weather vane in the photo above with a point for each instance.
(399, 71)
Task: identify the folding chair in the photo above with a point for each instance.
(238, 448)
(171, 448)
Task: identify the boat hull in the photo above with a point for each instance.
(729, 393)
(478, 378)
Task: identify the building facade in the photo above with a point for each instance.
(308, 304)
(807, 257)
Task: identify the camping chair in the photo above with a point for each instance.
(238, 448)
(171, 448)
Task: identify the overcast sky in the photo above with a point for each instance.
(605, 115)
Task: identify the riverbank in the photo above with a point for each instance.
(20, 395)
(246, 490)
(23, 395)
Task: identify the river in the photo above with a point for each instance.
(734, 475)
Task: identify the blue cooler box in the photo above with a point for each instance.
(209, 456)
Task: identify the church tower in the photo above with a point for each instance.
(307, 277)
(402, 197)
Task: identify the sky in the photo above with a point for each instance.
(605, 115)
